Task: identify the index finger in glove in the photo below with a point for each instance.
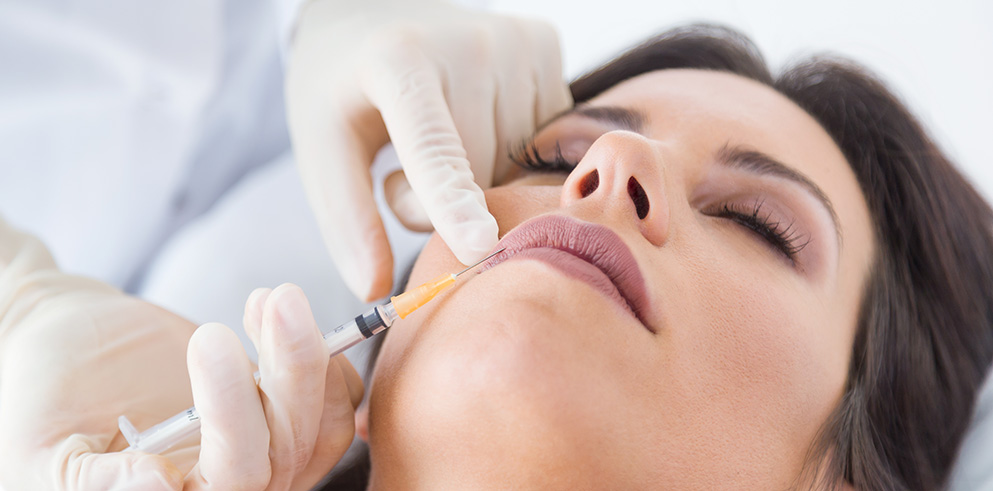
(342, 394)
(408, 92)
(293, 361)
(334, 155)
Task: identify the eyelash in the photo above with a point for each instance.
(785, 238)
(529, 158)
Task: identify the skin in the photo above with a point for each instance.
(523, 377)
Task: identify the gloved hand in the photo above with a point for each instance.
(75, 354)
(452, 89)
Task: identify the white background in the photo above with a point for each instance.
(937, 56)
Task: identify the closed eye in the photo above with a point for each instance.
(782, 236)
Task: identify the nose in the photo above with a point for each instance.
(622, 177)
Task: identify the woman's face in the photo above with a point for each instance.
(676, 311)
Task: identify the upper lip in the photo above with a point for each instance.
(595, 244)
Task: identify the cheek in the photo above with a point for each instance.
(765, 347)
(756, 358)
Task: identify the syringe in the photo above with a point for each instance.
(164, 435)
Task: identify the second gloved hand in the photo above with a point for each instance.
(75, 354)
(452, 89)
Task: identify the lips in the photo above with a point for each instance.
(585, 251)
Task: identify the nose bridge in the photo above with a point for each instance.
(624, 174)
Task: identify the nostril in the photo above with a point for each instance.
(638, 196)
(589, 183)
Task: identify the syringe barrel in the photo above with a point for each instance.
(357, 330)
(343, 337)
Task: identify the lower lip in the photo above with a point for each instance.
(576, 268)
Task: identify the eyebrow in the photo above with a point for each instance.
(759, 163)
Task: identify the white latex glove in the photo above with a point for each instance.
(452, 89)
(75, 354)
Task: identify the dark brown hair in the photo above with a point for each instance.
(925, 336)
